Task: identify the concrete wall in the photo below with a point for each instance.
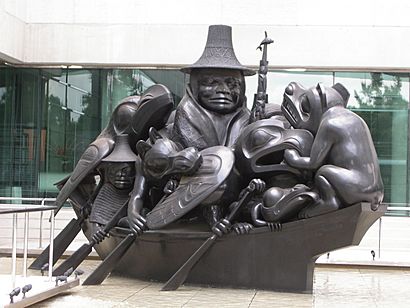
(308, 34)
(12, 29)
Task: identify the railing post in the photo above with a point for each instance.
(51, 250)
(380, 234)
(40, 240)
(26, 233)
(25, 248)
(14, 251)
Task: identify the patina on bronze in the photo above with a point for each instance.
(312, 163)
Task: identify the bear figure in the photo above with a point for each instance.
(343, 157)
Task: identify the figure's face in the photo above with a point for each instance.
(121, 175)
(218, 90)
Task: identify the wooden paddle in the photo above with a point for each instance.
(179, 277)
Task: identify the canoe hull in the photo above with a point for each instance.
(281, 261)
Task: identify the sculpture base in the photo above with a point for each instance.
(281, 261)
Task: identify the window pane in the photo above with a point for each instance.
(83, 123)
(120, 83)
(173, 79)
(382, 101)
(6, 130)
(57, 166)
(80, 79)
(278, 80)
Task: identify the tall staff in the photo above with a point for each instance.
(261, 98)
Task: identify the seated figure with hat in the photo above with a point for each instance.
(118, 173)
(213, 111)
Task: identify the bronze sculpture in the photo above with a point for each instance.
(215, 166)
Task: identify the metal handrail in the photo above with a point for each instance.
(28, 199)
(42, 207)
(42, 202)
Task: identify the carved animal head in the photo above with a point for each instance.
(304, 108)
(261, 145)
(162, 157)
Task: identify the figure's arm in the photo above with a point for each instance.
(90, 159)
(320, 149)
(256, 214)
(136, 220)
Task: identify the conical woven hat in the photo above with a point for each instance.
(218, 52)
(122, 151)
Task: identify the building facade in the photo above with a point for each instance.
(66, 64)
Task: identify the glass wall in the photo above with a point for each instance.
(49, 116)
(119, 83)
(7, 108)
(20, 135)
(71, 120)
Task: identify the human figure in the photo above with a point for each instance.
(133, 116)
(118, 173)
(213, 110)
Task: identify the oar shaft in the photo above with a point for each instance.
(179, 277)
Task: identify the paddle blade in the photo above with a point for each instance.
(179, 277)
(105, 268)
(74, 260)
(61, 242)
